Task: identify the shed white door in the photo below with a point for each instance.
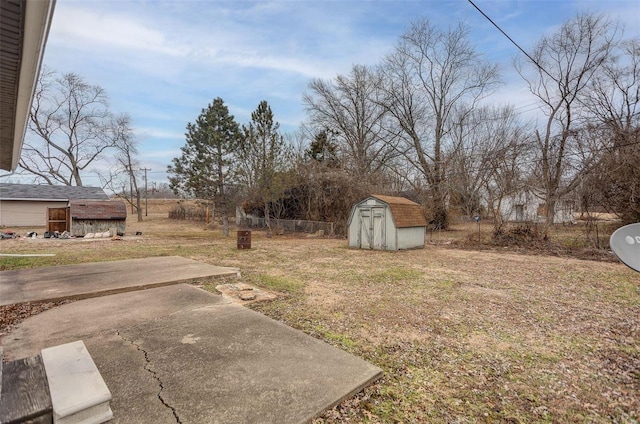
(372, 228)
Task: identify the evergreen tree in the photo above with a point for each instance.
(264, 156)
(323, 149)
(206, 168)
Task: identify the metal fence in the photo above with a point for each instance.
(289, 225)
(189, 212)
(202, 213)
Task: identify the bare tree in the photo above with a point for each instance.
(347, 108)
(613, 103)
(70, 127)
(122, 177)
(432, 75)
(565, 64)
(487, 143)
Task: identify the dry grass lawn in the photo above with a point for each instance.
(462, 335)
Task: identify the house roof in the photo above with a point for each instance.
(36, 192)
(24, 26)
(406, 213)
(98, 209)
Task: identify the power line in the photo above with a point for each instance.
(512, 41)
(517, 163)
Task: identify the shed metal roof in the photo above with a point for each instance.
(37, 192)
(98, 209)
(406, 213)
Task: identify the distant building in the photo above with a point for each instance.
(527, 206)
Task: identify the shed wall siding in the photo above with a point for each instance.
(20, 213)
(391, 236)
(80, 228)
(353, 228)
(411, 238)
(525, 200)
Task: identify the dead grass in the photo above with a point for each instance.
(462, 335)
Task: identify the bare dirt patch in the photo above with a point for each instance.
(12, 315)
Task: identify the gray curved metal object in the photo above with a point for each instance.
(625, 243)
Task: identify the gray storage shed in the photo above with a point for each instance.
(386, 223)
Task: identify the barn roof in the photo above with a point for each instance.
(98, 209)
(49, 192)
(406, 213)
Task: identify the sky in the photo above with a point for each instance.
(161, 62)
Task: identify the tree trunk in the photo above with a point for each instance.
(267, 219)
(496, 213)
(440, 218)
(225, 225)
(549, 215)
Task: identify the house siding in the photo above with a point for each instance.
(527, 207)
(17, 213)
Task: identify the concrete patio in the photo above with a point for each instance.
(181, 354)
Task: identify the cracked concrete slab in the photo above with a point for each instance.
(149, 368)
(180, 354)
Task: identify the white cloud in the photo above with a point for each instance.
(308, 44)
(164, 61)
(160, 154)
(157, 133)
(84, 27)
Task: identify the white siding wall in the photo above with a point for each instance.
(529, 203)
(411, 238)
(391, 238)
(20, 213)
(353, 227)
(524, 207)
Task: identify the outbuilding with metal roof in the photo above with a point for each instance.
(28, 205)
(386, 223)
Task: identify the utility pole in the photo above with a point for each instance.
(130, 169)
(146, 193)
